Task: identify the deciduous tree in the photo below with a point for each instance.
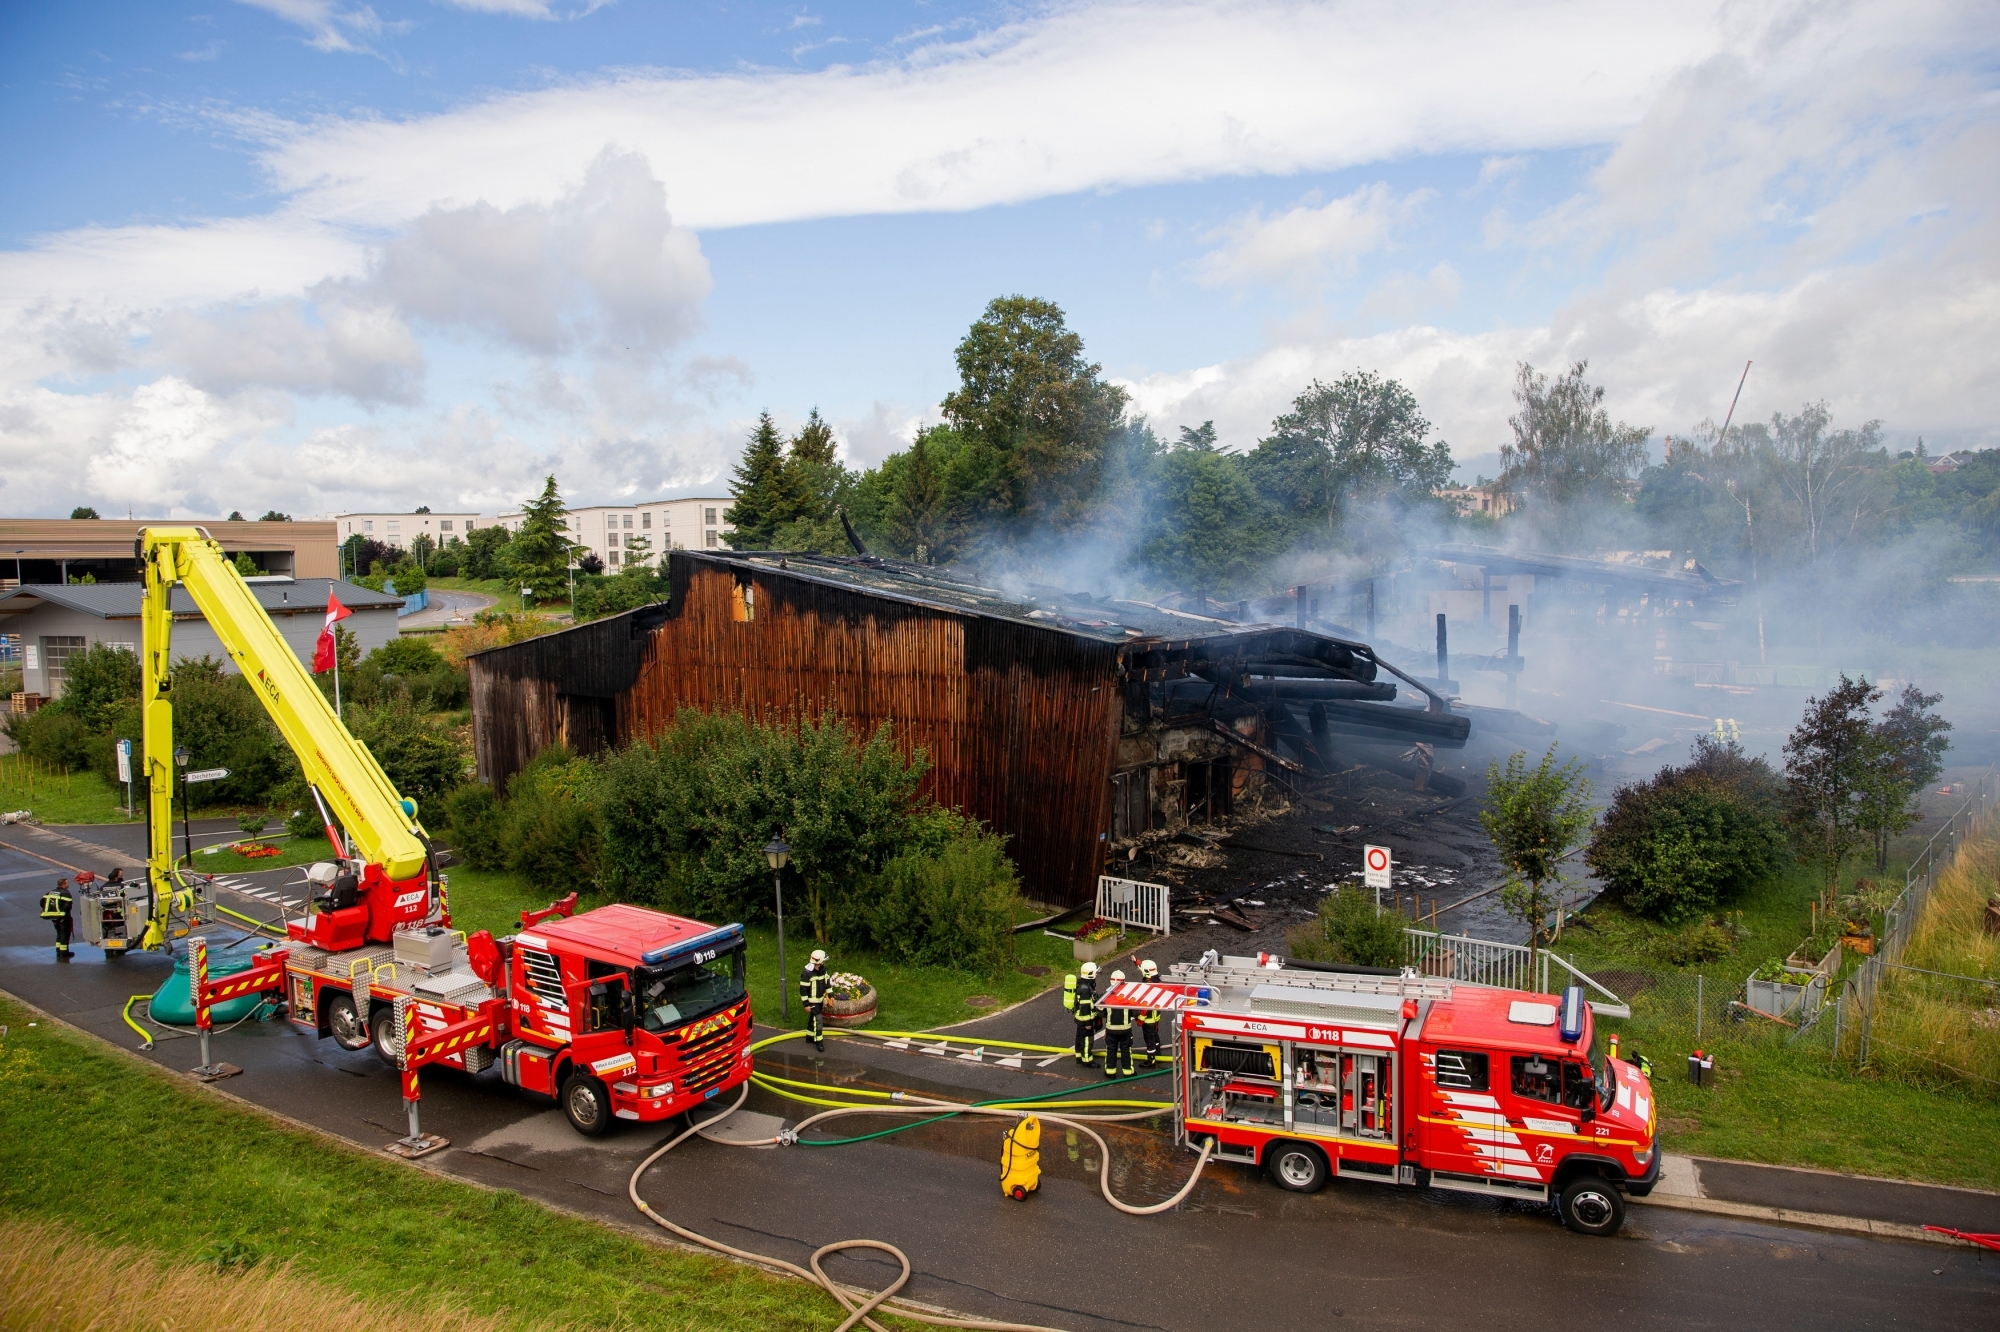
(1566, 447)
(1536, 817)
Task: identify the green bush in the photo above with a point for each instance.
(98, 683)
(599, 595)
(422, 757)
(406, 669)
(56, 736)
(1349, 928)
(305, 822)
(544, 825)
(946, 903)
(1673, 847)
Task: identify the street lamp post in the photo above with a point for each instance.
(187, 829)
(779, 855)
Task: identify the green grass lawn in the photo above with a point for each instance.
(912, 998)
(1795, 1107)
(81, 1144)
(58, 797)
(291, 851)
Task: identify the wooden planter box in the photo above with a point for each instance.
(856, 1012)
(1826, 966)
(1091, 952)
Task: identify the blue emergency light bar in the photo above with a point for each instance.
(716, 940)
(1571, 1025)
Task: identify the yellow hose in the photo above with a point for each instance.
(144, 1035)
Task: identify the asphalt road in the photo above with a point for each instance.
(1239, 1253)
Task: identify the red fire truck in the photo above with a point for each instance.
(1313, 1070)
(619, 1013)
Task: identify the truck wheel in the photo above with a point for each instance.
(344, 1024)
(382, 1028)
(1592, 1205)
(587, 1104)
(1296, 1166)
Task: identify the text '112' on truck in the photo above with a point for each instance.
(1312, 1070)
(619, 1013)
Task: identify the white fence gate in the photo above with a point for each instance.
(1135, 905)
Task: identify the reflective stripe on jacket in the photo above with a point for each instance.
(55, 905)
(813, 986)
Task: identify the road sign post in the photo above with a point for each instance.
(206, 775)
(1375, 866)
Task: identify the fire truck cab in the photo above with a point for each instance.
(1313, 1070)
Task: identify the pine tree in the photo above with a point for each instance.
(919, 518)
(764, 493)
(814, 442)
(540, 554)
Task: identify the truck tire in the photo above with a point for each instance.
(1591, 1205)
(349, 1032)
(382, 1030)
(587, 1105)
(1297, 1166)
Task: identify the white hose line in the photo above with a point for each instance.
(923, 1106)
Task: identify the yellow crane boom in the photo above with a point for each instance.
(381, 827)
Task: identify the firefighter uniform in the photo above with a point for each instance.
(1149, 1027)
(813, 986)
(1083, 1009)
(56, 907)
(1118, 1042)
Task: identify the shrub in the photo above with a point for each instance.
(1706, 942)
(472, 814)
(544, 825)
(423, 758)
(598, 596)
(55, 736)
(305, 822)
(98, 683)
(940, 904)
(1349, 928)
(491, 628)
(1673, 847)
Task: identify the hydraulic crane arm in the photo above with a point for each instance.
(382, 828)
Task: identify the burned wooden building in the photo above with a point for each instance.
(1078, 727)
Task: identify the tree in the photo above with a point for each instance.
(1821, 468)
(540, 554)
(98, 683)
(1910, 742)
(273, 516)
(1206, 530)
(814, 443)
(245, 565)
(919, 519)
(360, 553)
(765, 498)
(82, 511)
(485, 551)
(1566, 448)
(1536, 817)
(1346, 445)
(236, 516)
(1029, 401)
(1199, 439)
(1827, 760)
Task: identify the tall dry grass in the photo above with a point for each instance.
(53, 1279)
(1932, 1028)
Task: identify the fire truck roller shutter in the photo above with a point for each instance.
(1256, 1061)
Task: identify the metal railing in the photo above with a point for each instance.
(1854, 1010)
(1505, 966)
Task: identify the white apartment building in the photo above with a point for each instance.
(625, 534)
(401, 529)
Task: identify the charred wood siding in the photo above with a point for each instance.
(1021, 723)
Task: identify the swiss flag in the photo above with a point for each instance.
(323, 651)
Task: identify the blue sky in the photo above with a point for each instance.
(317, 255)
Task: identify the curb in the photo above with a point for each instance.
(1787, 1216)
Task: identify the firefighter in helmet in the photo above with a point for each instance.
(1149, 1018)
(813, 985)
(56, 906)
(1117, 1036)
(1080, 998)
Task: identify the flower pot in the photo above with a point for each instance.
(1090, 952)
(856, 1012)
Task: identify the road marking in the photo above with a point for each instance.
(23, 874)
(976, 1055)
(1011, 1061)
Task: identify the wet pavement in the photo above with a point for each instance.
(1238, 1253)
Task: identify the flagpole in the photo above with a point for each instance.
(336, 675)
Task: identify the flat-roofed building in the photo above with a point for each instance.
(626, 534)
(55, 550)
(402, 529)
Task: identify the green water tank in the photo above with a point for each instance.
(173, 1003)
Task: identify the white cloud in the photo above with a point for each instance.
(328, 26)
(1499, 168)
(339, 342)
(1304, 243)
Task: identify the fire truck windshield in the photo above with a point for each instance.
(669, 997)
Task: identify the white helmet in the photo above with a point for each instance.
(1148, 970)
(1088, 971)
(819, 956)
(1118, 975)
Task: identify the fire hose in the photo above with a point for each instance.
(861, 1304)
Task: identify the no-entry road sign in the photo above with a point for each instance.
(1375, 864)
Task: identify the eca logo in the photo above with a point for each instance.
(410, 899)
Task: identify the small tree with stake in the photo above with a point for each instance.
(1910, 741)
(1537, 817)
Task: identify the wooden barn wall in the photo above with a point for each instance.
(559, 688)
(1020, 723)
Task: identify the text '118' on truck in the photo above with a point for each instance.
(1312, 1070)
